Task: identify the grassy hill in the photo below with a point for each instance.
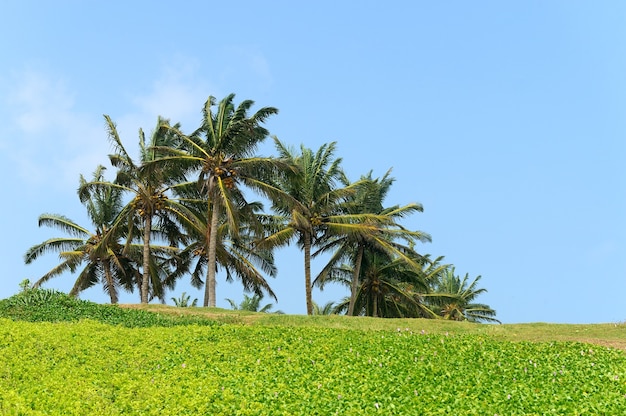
(607, 334)
(74, 358)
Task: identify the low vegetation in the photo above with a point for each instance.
(76, 357)
(45, 305)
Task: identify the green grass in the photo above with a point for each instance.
(219, 362)
(608, 334)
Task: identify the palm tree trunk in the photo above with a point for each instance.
(110, 283)
(145, 280)
(355, 279)
(307, 273)
(209, 290)
(375, 308)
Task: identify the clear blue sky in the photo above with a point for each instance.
(506, 120)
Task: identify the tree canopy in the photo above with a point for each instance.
(183, 210)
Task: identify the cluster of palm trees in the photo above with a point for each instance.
(182, 209)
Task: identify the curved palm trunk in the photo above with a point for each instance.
(307, 273)
(355, 279)
(145, 280)
(209, 290)
(110, 283)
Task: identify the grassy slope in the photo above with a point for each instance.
(611, 335)
(262, 364)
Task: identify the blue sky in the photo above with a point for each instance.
(506, 120)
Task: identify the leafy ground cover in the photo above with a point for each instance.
(252, 367)
(43, 305)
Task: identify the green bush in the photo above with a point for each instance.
(45, 305)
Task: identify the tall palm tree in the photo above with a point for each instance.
(308, 206)
(150, 184)
(235, 252)
(222, 153)
(378, 232)
(100, 251)
(454, 298)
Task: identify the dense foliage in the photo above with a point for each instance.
(182, 210)
(87, 367)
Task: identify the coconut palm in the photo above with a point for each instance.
(235, 252)
(379, 232)
(149, 184)
(387, 286)
(453, 298)
(221, 152)
(309, 206)
(99, 252)
(183, 301)
(327, 309)
(252, 304)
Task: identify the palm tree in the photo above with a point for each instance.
(309, 203)
(379, 232)
(453, 298)
(221, 152)
(183, 301)
(101, 251)
(387, 286)
(252, 304)
(327, 309)
(236, 255)
(149, 183)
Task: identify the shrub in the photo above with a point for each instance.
(46, 305)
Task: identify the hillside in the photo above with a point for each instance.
(606, 334)
(110, 360)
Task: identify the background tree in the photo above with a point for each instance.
(311, 197)
(149, 183)
(454, 298)
(327, 309)
(101, 251)
(183, 301)
(387, 287)
(377, 228)
(252, 304)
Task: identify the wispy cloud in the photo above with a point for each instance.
(177, 95)
(59, 137)
(58, 140)
(55, 139)
(41, 103)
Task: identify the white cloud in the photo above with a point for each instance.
(59, 138)
(55, 141)
(178, 95)
(40, 102)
